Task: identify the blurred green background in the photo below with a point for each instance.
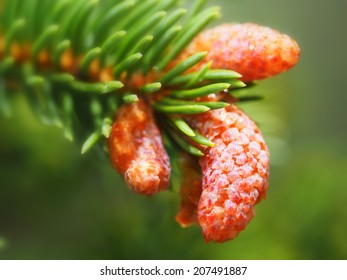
(57, 204)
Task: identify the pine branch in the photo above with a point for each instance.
(79, 52)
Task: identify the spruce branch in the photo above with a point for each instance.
(79, 50)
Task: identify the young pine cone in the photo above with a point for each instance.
(256, 52)
(137, 151)
(235, 172)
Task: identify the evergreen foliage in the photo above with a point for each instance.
(57, 51)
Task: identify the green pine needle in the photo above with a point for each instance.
(96, 88)
(180, 109)
(159, 47)
(44, 39)
(11, 34)
(211, 104)
(182, 126)
(110, 45)
(192, 29)
(150, 88)
(143, 45)
(106, 127)
(182, 67)
(234, 84)
(130, 98)
(184, 145)
(211, 75)
(59, 50)
(201, 91)
(198, 76)
(90, 141)
(88, 59)
(126, 64)
(198, 138)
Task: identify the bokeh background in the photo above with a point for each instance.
(57, 204)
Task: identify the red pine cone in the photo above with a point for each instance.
(235, 172)
(254, 51)
(137, 151)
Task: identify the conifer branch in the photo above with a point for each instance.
(64, 60)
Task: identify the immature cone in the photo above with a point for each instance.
(137, 151)
(254, 51)
(235, 172)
